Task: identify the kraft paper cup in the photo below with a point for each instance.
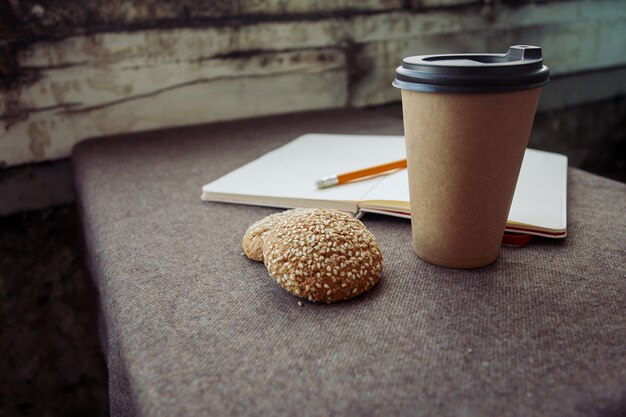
(465, 144)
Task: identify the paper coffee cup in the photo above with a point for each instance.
(467, 120)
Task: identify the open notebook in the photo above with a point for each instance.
(285, 177)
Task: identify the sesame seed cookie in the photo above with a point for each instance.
(322, 255)
(252, 243)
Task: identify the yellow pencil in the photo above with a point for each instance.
(337, 179)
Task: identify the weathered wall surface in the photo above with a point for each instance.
(73, 69)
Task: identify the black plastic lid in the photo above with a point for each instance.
(519, 69)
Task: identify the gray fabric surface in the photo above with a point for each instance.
(195, 328)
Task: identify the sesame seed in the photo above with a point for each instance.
(324, 246)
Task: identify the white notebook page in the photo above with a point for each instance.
(540, 195)
(290, 171)
(288, 174)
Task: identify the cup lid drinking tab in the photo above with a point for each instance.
(520, 68)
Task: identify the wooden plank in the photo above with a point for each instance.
(375, 63)
(151, 47)
(58, 20)
(51, 134)
(61, 19)
(278, 7)
(84, 86)
(80, 83)
(568, 48)
(422, 4)
(174, 45)
(580, 88)
(156, 47)
(402, 25)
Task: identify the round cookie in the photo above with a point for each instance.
(252, 243)
(322, 255)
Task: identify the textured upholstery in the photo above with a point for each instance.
(192, 327)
